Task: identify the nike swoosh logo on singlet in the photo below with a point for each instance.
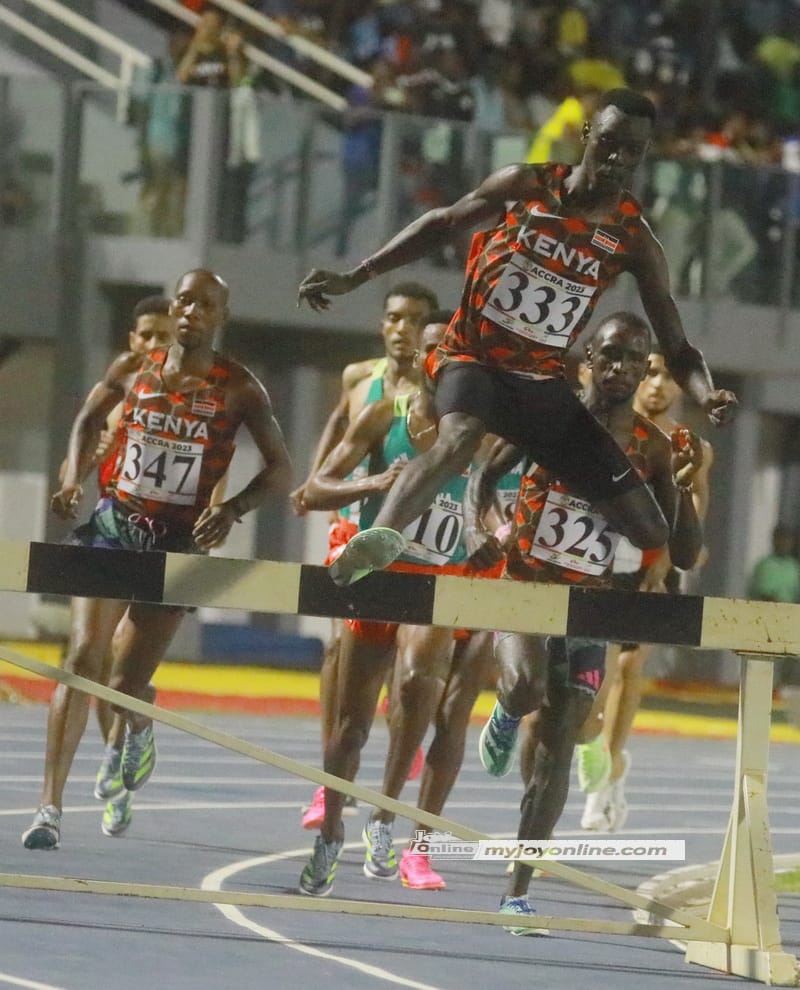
(619, 477)
(536, 212)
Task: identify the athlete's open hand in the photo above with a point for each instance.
(720, 406)
(298, 506)
(65, 501)
(213, 525)
(319, 284)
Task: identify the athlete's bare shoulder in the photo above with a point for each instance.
(123, 369)
(518, 181)
(356, 372)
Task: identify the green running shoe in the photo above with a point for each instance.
(380, 862)
(368, 551)
(117, 815)
(138, 757)
(498, 742)
(522, 907)
(593, 764)
(108, 783)
(320, 871)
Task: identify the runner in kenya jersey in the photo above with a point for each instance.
(553, 238)
(559, 537)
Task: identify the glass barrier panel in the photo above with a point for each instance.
(31, 112)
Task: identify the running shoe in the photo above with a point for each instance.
(618, 805)
(138, 757)
(370, 550)
(418, 764)
(314, 814)
(597, 811)
(522, 907)
(416, 872)
(117, 815)
(108, 783)
(594, 765)
(380, 862)
(498, 742)
(320, 871)
(45, 831)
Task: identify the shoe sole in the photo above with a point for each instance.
(376, 876)
(40, 838)
(492, 771)
(422, 886)
(368, 551)
(115, 833)
(315, 893)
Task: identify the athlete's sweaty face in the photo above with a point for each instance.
(618, 360)
(658, 389)
(402, 323)
(152, 330)
(616, 145)
(199, 307)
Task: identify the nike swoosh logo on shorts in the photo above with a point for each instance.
(619, 477)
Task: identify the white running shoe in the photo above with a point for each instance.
(618, 805)
(597, 811)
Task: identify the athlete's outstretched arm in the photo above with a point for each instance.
(685, 361)
(430, 231)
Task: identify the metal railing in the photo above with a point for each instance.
(274, 66)
(130, 57)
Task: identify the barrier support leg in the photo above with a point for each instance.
(744, 899)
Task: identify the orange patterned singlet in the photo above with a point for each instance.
(175, 445)
(533, 281)
(557, 537)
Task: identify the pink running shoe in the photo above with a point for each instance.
(315, 812)
(416, 872)
(417, 765)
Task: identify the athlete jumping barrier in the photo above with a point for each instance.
(741, 934)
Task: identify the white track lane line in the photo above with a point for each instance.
(18, 981)
(215, 880)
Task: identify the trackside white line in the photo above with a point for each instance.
(18, 981)
(215, 880)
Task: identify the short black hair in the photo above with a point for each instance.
(413, 290)
(441, 316)
(628, 101)
(157, 305)
(631, 319)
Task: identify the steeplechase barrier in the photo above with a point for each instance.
(741, 934)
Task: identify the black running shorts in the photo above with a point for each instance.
(546, 420)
